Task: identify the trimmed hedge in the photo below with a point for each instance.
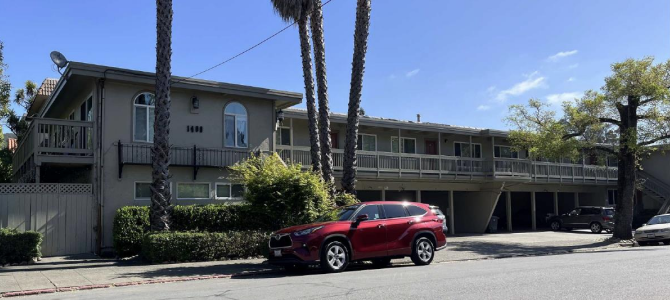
(18, 247)
(204, 246)
(131, 223)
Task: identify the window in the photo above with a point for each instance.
(611, 197)
(143, 114)
(193, 191)
(284, 136)
(394, 211)
(589, 211)
(463, 150)
(367, 142)
(504, 152)
(143, 190)
(371, 210)
(334, 140)
(89, 109)
(415, 210)
(407, 145)
(229, 191)
(235, 125)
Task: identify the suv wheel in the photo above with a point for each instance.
(596, 227)
(334, 257)
(555, 225)
(423, 252)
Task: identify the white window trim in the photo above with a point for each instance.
(209, 189)
(368, 134)
(400, 144)
(290, 142)
(480, 149)
(134, 119)
(230, 191)
(518, 154)
(235, 122)
(144, 199)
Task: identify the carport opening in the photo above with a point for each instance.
(501, 212)
(544, 206)
(521, 211)
(370, 195)
(401, 196)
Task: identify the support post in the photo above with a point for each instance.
(576, 199)
(452, 230)
(508, 209)
(418, 196)
(533, 210)
(556, 203)
(472, 156)
(383, 194)
(291, 125)
(439, 154)
(37, 173)
(399, 154)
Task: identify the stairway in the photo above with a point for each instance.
(656, 189)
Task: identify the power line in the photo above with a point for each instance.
(243, 52)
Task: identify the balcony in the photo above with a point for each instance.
(395, 165)
(53, 141)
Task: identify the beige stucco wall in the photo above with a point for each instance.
(657, 165)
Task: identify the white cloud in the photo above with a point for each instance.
(483, 107)
(573, 66)
(532, 81)
(558, 99)
(562, 54)
(571, 79)
(412, 73)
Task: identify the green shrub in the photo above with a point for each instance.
(17, 247)
(284, 192)
(130, 224)
(218, 218)
(204, 246)
(344, 199)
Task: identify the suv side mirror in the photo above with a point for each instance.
(361, 218)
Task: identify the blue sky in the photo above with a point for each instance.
(454, 62)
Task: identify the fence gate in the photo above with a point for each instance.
(63, 213)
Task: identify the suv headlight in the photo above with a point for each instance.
(307, 231)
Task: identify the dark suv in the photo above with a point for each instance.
(376, 231)
(596, 218)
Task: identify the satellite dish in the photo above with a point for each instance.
(58, 59)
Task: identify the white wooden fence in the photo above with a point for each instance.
(64, 214)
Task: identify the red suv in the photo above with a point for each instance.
(376, 231)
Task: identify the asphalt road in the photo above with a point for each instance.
(637, 273)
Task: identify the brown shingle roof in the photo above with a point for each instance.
(47, 87)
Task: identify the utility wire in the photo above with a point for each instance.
(243, 52)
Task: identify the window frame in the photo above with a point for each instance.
(246, 115)
(290, 140)
(473, 145)
(382, 214)
(419, 207)
(511, 151)
(367, 134)
(148, 107)
(209, 189)
(144, 199)
(403, 208)
(400, 144)
(230, 191)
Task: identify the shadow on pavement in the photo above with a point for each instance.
(181, 270)
(495, 249)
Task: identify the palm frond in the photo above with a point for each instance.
(292, 10)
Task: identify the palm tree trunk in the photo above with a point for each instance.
(316, 22)
(357, 69)
(160, 187)
(312, 122)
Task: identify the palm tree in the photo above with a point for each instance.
(297, 11)
(160, 161)
(357, 69)
(316, 22)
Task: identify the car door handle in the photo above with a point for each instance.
(381, 226)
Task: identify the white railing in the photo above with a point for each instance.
(54, 137)
(439, 164)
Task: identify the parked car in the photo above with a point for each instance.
(656, 230)
(596, 218)
(436, 210)
(375, 231)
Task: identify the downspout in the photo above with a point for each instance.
(101, 194)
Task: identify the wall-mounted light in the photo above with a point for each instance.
(195, 103)
(280, 116)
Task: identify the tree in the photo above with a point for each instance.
(160, 187)
(298, 11)
(357, 69)
(24, 98)
(632, 110)
(316, 22)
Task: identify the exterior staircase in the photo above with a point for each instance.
(656, 189)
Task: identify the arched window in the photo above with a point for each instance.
(235, 126)
(143, 117)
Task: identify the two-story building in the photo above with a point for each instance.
(95, 125)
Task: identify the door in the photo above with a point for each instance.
(573, 218)
(368, 238)
(431, 147)
(334, 140)
(587, 215)
(397, 229)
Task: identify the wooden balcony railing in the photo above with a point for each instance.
(54, 137)
(381, 162)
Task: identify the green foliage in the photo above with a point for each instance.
(284, 192)
(218, 218)
(130, 225)
(204, 246)
(17, 247)
(344, 199)
(5, 165)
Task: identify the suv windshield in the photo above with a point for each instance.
(659, 220)
(338, 214)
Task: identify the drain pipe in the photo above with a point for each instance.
(101, 173)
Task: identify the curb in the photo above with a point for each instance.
(129, 283)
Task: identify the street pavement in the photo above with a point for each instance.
(633, 273)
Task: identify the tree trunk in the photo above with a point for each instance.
(160, 187)
(626, 182)
(312, 122)
(357, 70)
(316, 22)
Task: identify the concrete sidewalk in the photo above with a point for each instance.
(66, 273)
